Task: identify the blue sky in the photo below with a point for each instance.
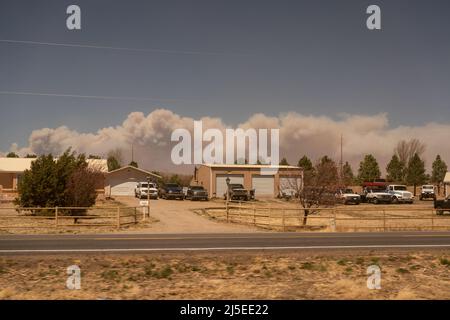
(228, 59)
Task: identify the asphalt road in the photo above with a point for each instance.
(29, 244)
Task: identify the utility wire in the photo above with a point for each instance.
(70, 45)
(87, 96)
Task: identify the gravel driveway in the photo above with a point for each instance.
(175, 216)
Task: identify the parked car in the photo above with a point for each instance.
(144, 189)
(237, 192)
(442, 205)
(400, 194)
(377, 195)
(377, 184)
(171, 191)
(347, 196)
(427, 192)
(196, 193)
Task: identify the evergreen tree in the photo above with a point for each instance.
(348, 178)
(134, 164)
(308, 170)
(12, 155)
(305, 163)
(368, 169)
(439, 171)
(415, 173)
(284, 162)
(395, 169)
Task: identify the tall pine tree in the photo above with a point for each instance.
(368, 169)
(415, 173)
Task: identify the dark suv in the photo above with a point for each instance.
(196, 193)
(442, 205)
(237, 192)
(171, 191)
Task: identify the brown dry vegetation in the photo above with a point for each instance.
(287, 275)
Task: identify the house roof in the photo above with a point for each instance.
(249, 166)
(18, 165)
(447, 177)
(137, 169)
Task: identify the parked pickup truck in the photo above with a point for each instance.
(237, 192)
(143, 189)
(377, 196)
(171, 191)
(196, 193)
(427, 192)
(400, 194)
(347, 196)
(442, 205)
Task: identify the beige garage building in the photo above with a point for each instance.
(213, 178)
(123, 181)
(447, 184)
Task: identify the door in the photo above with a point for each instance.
(221, 182)
(263, 185)
(123, 187)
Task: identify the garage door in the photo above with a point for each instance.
(221, 183)
(263, 185)
(287, 183)
(123, 188)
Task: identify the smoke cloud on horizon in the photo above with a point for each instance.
(300, 134)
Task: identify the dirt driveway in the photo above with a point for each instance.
(175, 216)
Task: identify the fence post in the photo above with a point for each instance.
(56, 217)
(118, 217)
(227, 211)
(384, 220)
(135, 215)
(432, 220)
(333, 221)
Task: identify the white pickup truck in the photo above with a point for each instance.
(400, 194)
(143, 189)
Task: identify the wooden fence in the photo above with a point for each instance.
(68, 217)
(348, 218)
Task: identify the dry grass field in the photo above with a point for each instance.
(241, 275)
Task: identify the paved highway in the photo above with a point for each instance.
(28, 244)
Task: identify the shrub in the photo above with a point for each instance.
(65, 182)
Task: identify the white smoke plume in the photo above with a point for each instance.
(300, 134)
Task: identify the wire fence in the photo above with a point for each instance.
(332, 219)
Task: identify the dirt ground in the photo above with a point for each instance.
(239, 275)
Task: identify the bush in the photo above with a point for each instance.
(65, 182)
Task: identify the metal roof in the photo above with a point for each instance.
(18, 165)
(137, 169)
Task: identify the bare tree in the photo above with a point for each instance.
(405, 150)
(318, 187)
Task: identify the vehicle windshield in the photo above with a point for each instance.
(428, 187)
(348, 191)
(400, 188)
(197, 188)
(172, 185)
(144, 185)
(236, 186)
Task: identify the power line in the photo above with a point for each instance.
(88, 96)
(71, 45)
